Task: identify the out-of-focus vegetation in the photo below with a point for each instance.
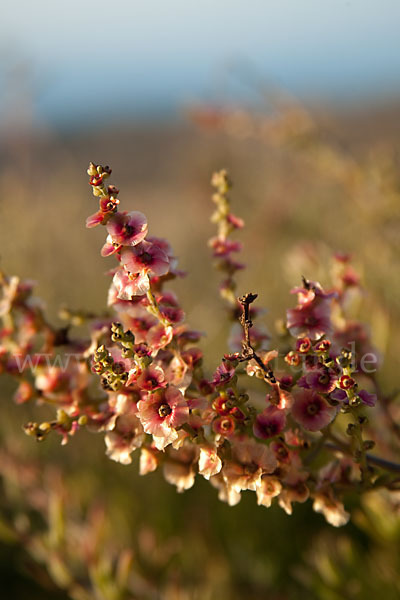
(75, 525)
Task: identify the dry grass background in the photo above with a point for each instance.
(302, 199)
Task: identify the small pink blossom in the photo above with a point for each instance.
(322, 380)
(331, 508)
(125, 432)
(95, 219)
(179, 466)
(24, 392)
(107, 206)
(340, 396)
(310, 291)
(224, 426)
(130, 285)
(223, 247)
(281, 452)
(311, 410)
(224, 374)
(209, 462)
(226, 492)
(311, 319)
(269, 487)
(235, 221)
(296, 492)
(159, 336)
(151, 378)
(145, 258)
(161, 413)
(250, 460)
(269, 423)
(178, 373)
(127, 229)
(109, 247)
(148, 461)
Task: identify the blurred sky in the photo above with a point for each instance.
(84, 59)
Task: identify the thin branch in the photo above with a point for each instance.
(371, 459)
(248, 351)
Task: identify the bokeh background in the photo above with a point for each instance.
(301, 102)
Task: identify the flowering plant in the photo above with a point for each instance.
(138, 377)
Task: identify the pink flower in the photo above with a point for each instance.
(250, 460)
(127, 229)
(331, 508)
(223, 247)
(320, 380)
(151, 378)
(163, 244)
(269, 488)
(226, 492)
(109, 247)
(24, 392)
(269, 423)
(235, 221)
(170, 308)
(108, 206)
(178, 373)
(310, 291)
(145, 258)
(130, 285)
(224, 426)
(179, 466)
(125, 437)
(340, 396)
(311, 410)
(148, 461)
(161, 413)
(94, 220)
(311, 319)
(294, 492)
(209, 462)
(159, 336)
(281, 451)
(224, 374)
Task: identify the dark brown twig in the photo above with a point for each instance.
(248, 351)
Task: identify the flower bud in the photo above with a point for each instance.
(92, 169)
(368, 444)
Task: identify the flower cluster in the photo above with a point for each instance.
(297, 433)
